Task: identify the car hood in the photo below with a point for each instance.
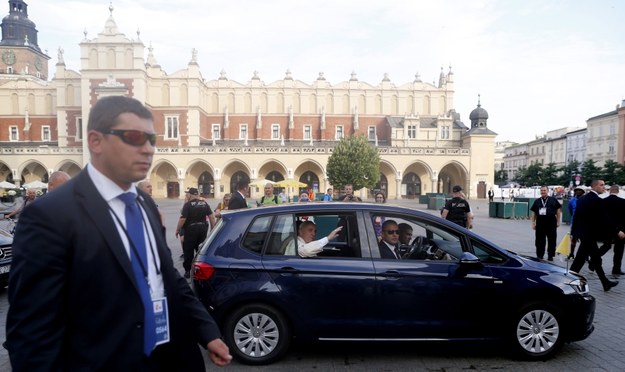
(5, 238)
(542, 265)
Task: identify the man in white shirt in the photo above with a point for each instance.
(306, 246)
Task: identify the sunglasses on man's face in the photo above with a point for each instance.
(133, 137)
(392, 232)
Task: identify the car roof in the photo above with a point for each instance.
(325, 206)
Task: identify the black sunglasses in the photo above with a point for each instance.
(392, 232)
(133, 137)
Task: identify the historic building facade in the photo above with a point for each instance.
(211, 133)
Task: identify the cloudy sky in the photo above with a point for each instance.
(538, 65)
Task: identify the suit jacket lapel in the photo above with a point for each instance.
(97, 210)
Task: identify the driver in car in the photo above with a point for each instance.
(389, 246)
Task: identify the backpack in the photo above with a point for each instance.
(275, 199)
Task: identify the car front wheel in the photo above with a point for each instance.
(538, 333)
(257, 334)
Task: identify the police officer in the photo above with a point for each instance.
(194, 218)
(457, 210)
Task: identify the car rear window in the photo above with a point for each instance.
(256, 235)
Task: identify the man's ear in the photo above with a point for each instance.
(94, 141)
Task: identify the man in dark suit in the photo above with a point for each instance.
(238, 198)
(82, 296)
(389, 246)
(615, 206)
(591, 224)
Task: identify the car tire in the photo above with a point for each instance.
(257, 334)
(537, 332)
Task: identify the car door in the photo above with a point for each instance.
(328, 296)
(434, 297)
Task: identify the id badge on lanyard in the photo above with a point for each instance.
(161, 317)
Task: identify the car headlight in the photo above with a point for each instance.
(580, 286)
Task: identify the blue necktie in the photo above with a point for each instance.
(134, 227)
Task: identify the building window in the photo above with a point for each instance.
(243, 131)
(45, 133)
(13, 134)
(339, 132)
(611, 148)
(216, 131)
(171, 129)
(275, 131)
(445, 132)
(307, 132)
(78, 129)
(412, 131)
(371, 133)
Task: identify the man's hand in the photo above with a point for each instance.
(218, 352)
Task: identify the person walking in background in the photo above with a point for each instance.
(328, 195)
(615, 207)
(195, 217)
(223, 205)
(56, 179)
(546, 212)
(379, 197)
(238, 197)
(458, 210)
(269, 198)
(31, 195)
(89, 285)
(590, 225)
(577, 193)
(491, 195)
(349, 194)
(146, 187)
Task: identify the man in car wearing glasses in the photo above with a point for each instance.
(389, 246)
(94, 286)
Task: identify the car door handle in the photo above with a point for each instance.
(391, 274)
(289, 269)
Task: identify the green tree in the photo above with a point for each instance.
(569, 172)
(550, 175)
(500, 177)
(590, 172)
(610, 172)
(354, 161)
(530, 176)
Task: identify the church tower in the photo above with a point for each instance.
(19, 48)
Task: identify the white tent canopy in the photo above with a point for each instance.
(36, 185)
(7, 185)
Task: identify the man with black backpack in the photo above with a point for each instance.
(269, 198)
(457, 210)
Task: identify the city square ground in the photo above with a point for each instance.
(604, 350)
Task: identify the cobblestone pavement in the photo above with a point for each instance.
(604, 350)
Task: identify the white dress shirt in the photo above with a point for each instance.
(110, 192)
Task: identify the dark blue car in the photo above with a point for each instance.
(449, 284)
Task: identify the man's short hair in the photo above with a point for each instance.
(614, 189)
(388, 222)
(242, 184)
(404, 227)
(456, 188)
(105, 113)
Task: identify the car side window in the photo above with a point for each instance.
(485, 254)
(282, 237)
(256, 235)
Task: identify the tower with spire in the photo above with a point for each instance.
(19, 49)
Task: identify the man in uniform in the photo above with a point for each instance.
(194, 218)
(457, 210)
